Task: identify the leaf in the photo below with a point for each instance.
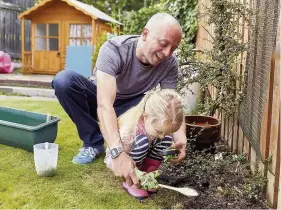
(147, 180)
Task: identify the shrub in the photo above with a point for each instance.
(102, 39)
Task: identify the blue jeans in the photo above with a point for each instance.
(78, 96)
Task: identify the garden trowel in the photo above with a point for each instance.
(183, 190)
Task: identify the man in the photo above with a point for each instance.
(127, 67)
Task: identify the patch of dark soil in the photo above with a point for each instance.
(223, 180)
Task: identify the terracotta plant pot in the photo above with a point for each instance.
(202, 131)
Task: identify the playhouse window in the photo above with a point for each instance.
(80, 34)
(47, 37)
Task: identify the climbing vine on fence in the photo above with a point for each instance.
(216, 66)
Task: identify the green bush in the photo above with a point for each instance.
(184, 10)
(186, 13)
(134, 21)
(102, 39)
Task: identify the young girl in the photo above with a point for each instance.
(146, 130)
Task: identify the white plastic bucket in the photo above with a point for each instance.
(45, 158)
(190, 96)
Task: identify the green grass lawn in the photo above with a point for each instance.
(74, 186)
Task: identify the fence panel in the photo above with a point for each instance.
(10, 33)
(269, 124)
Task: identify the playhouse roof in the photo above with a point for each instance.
(85, 8)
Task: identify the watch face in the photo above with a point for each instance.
(114, 153)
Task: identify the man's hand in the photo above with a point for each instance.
(180, 142)
(124, 166)
(181, 146)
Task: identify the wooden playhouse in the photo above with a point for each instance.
(56, 24)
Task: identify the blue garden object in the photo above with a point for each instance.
(79, 59)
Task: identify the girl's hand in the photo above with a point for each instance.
(181, 146)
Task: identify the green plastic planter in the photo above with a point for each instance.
(23, 129)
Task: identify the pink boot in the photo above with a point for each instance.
(150, 165)
(139, 194)
(147, 166)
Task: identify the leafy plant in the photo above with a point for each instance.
(134, 21)
(119, 6)
(186, 12)
(215, 67)
(169, 157)
(108, 6)
(147, 180)
(100, 41)
(170, 154)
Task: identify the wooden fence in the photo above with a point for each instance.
(232, 132)
(10, 29)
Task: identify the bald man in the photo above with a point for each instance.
(127, 67)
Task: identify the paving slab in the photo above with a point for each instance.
(34, 98)
(26, 80)
(42, 92)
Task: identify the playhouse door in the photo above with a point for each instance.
(47, 48)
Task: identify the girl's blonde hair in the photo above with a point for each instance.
(163, 106)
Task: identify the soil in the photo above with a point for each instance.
(223, 180)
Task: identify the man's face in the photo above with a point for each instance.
(159, 44)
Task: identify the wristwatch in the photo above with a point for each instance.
(115, 152)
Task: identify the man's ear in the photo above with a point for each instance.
(144, 33)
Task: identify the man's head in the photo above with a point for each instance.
(160, 37)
